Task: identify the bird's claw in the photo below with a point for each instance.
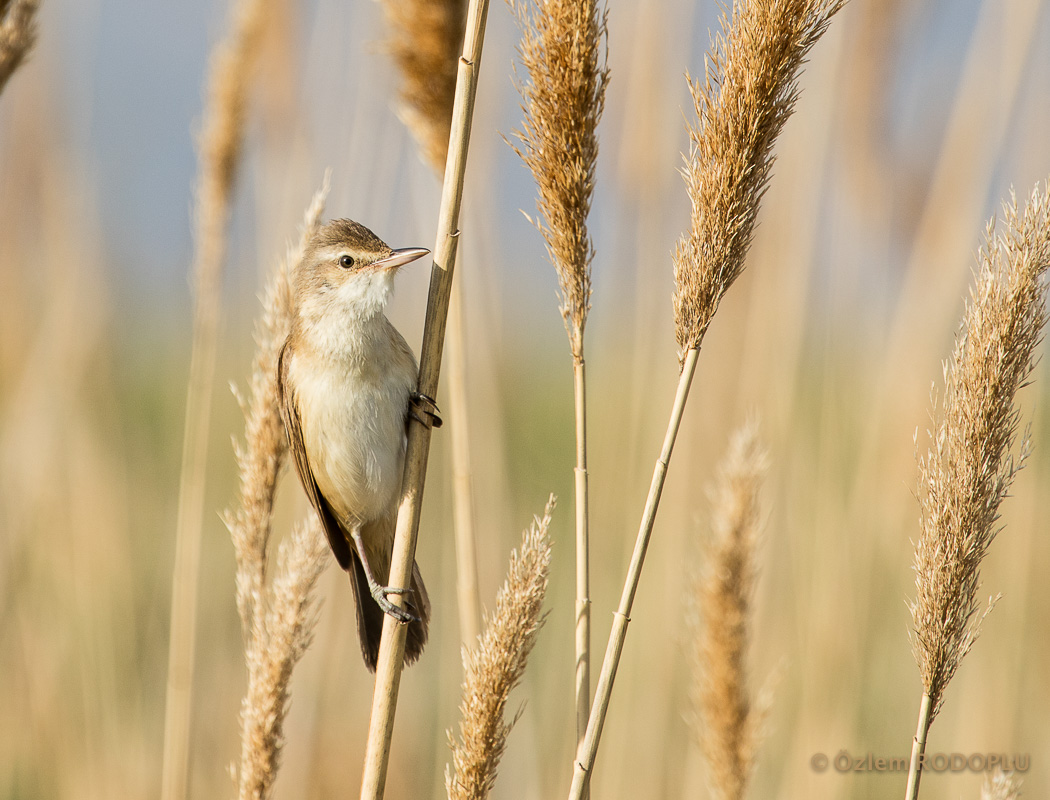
(397, 612)
(424, 410)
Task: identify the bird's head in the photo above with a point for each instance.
(348, 269)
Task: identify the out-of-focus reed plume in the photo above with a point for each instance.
(428, 37)
(220, 146)
(17, 35)
(1000, 786)
(564, 50)
(972, 463)
(727, 722)
(277, 618)
(260, 458)
(749, 91)
(495, 664)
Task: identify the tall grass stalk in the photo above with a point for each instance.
(750, 91)
(427, 40)
(972, 461)
(17, 35)
(564, 50)
(220, 150)
(392, 645)
(493, 666)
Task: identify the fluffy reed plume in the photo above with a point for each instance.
(17, 35)
(748, 93)
(220, 150)
(277, 618)
(281, 635)
(564, 49)
(1000, 786)
(727, 723)
(496, 663)
(426, 42)
(972, 463)
(261, 456)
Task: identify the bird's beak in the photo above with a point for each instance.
(400, 257)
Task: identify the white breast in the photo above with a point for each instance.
(353, 421)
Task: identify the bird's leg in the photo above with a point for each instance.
(423, 409)
(378, 591)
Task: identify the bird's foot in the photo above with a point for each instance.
(397, 612)
(424, 410)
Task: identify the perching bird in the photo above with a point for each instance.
(346, 385)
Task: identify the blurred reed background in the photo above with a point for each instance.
(914, 121)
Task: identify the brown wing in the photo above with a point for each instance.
(290, 415)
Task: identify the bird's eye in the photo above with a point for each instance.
(346, 262)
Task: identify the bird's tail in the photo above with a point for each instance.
(370, 615)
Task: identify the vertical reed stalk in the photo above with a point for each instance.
(428, 37)
(748, 95)
(564, 49)
(220, 150)
(392, 645)
(583, 589)
(918, 746)
(468, 599)
(971, 463)
(588, 748)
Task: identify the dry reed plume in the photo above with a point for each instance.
(428, 36)
(17, 35)
(564, 50)
(727, 723)
(1000, 786)
(968, 471)
(220, 149)
(495, 664)
(277, 618)
(749, 91)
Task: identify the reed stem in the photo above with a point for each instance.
(392, 645)
(918, 747)
(589, 747)
(583, 592)
(467, 596)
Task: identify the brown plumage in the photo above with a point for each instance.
(346, 379)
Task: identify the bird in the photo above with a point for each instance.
(346, 382)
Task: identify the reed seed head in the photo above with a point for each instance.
(1000, 786)
(260, 458)
(426, 44)
(727, 722)
(277, 617)
(17, 35)
(495, 665)
(749, 91)
(564, 49)
(972, 461)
